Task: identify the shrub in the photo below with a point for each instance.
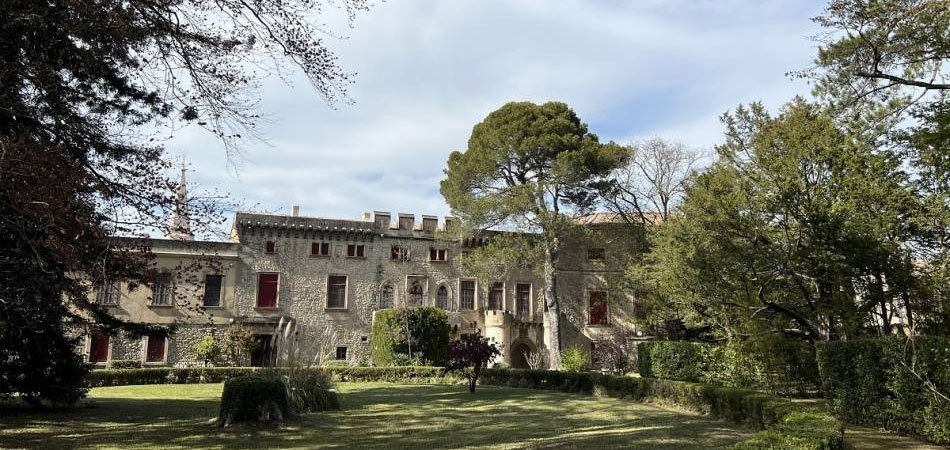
(240, 341)
(470, 354)
(879, 382)
(674, 360)
(207, 350)
(575, 360)
(784, 424)
(308, 389)
(423, 329)
(253, 398)
(124, 364)
(611, 352)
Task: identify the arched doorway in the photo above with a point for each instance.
(519, 355)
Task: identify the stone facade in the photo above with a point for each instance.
(397, 256)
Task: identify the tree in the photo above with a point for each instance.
(207, 350)
(797, 229)
(876, 49)
(469, 355)
(82, 86)
(531, 168)
(644, 190)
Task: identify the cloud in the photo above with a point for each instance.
(427, 71)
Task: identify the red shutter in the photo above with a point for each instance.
(155, 351)
(267, 290)
(98, 347)
(598, 308)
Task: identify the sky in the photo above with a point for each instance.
(428, 71)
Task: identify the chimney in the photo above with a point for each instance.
(381, 220)
(406, 221)
(366, 216)
(429, 223)
(449, 223)
(295, 210)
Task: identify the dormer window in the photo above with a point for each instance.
(437, 254)
(355, 250)
(595, 254)
(319, 249)
(399, 253)
(270, 247)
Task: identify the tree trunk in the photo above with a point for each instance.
(553, 306)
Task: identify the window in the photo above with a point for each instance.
(320, 249)
(355, 250)
(155, 348)
(162, 290)
(496, 296)
(98, 347)
(442, 298)
(213, 290)
(595, 254)
(416, 292)
(336, 291)
(387, 297)
(597, 311)
(341, 353)
(267, 284)
(523, 299)
(399, 253)
(437, 254)
(467, 297)
(270, 247)
(107, 293)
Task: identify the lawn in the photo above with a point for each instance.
(374, 415)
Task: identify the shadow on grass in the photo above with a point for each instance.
(381, 416)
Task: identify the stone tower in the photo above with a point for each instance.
(179, 226)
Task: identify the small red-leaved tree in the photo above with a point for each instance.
(468, 355)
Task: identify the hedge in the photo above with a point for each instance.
(174, 375)
(870, 381)
(428, 327)
(784, 424)
(674, 360)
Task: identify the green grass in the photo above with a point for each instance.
(374, 415)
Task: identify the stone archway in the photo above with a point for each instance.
(519, 351)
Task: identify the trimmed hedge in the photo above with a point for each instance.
(870, 381)
(253, 398)
(674, 360)
(173, 375)
(784, 424)
(428, 328)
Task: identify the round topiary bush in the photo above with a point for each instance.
(253, 398)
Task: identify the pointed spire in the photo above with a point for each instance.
(179, 226)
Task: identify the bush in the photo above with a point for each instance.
(575, 360)
(308, 389)
(674, 360)
(124, 364)
(253, 398)
(784, 424)
(207, 350)
(879, 382)
(425, 328)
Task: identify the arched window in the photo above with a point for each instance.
(442, 298)
(387, 297)
(415, 294)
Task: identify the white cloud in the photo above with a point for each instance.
(430, 70)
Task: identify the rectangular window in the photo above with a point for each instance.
(212, 295)
(497, 296)
(162, 290)
(107, 293)
(98, 347)
(399, 253)
(523, 299)
(155, 349)
(320, 249)
(336, 291)
(595, 254)
(437, 254)
(597, 311)
(267, 290)
(270, 247)
(468, 294)
(341, 353)
(355, 250)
